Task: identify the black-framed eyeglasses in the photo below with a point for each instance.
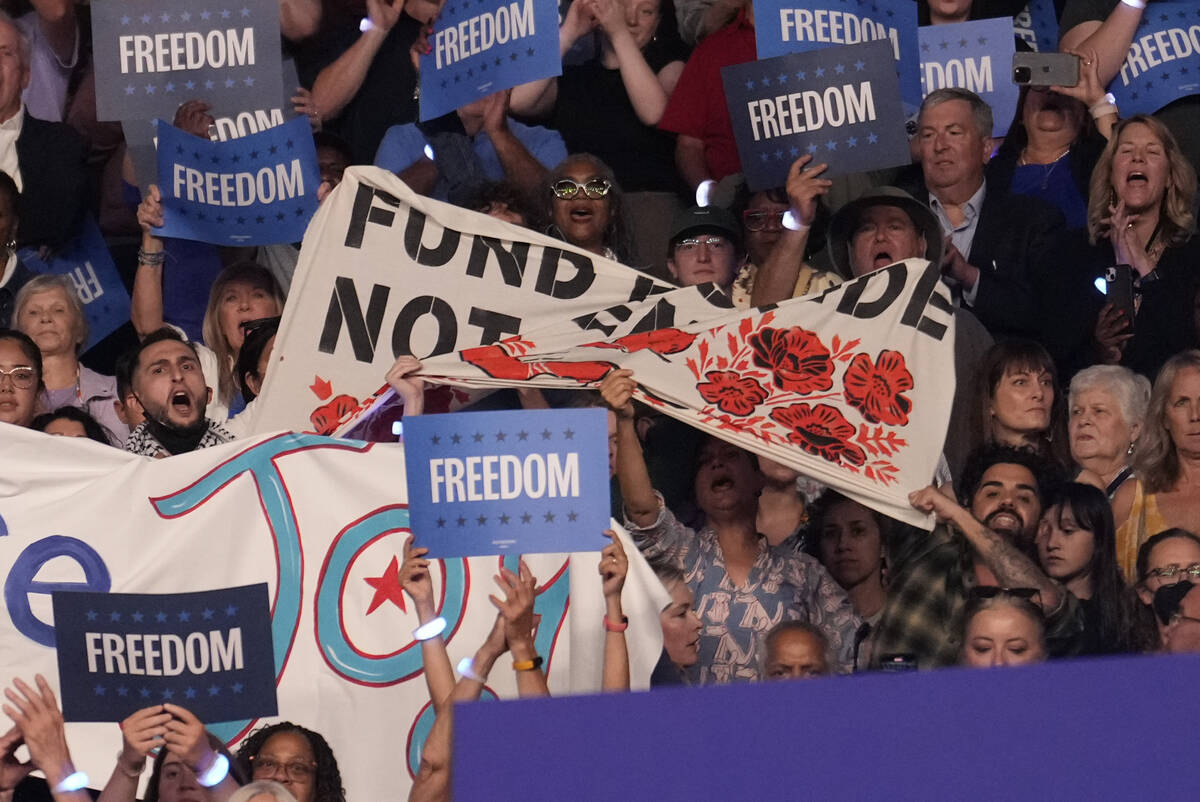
(1170, 574)
(758, 219)
(593, 188)
(297, 770)
(1180, 618)
(22, 378)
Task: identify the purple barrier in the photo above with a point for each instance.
(1124, 728)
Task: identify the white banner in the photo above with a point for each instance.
(385, 272)
(851, 387)
(315, 518)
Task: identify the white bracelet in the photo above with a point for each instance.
(215, 773)
(430, 629)
(1103, 106)
(466, 667)
(792, 222)
(1138, 4)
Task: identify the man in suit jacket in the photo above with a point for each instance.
(46, 159)
(996, 244)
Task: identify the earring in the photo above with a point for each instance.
(11, 244)
(1130, 449)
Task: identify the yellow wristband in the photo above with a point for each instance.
(527, 665)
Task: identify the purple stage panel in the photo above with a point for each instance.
(1120, 728)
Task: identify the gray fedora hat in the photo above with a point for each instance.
(845, 220)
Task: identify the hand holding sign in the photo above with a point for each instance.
(188, 740)
(141, 733)
(805, 188)
(617, 391)
(516, 608)
(415, 579)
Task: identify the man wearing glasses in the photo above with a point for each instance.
(705, 247)
(1181, 605)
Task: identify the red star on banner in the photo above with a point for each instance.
(387, 587)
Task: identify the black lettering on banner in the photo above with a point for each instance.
(592, 322)
(363, 329)
(548, 283)
(512, 263)
(715, 295)
(495, 325)
(923, 295)
(662, 316)
(365, 211)
(864, 310)
(429, 257)
(412, 312)
(644, 287)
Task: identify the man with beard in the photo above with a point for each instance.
(988, 542)
(168, 384)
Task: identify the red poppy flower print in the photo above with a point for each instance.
(730, 392)
(325, 418)
(660, 341)
(797, 359)
(821, 430)
(496, 362)
(875, 389)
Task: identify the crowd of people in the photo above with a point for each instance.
(1068, 496)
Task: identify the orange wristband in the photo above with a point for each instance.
(527, 665)
(621, 627)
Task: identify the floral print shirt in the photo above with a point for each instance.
(736, 619)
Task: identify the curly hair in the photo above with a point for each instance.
(1177, 219)
(1046, 474)
(327, 785)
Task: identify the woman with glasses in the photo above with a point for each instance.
(1167, 558)
(1076, 546)
(295, 757)
(1002, 627)
(48, 309)
(1167, 461)
(587, 208)
(20, 378)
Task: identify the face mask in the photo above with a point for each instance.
(175, 439)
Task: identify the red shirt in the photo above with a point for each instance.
(697, 106)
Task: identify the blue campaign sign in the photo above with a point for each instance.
(976, 56)
(841, 104)
(210, 652)
(485, 46)
(259, 189)
(508, 482)
(1163, 64)
(1037, 25)
(87, 261)
(152, 55)
(796, 26)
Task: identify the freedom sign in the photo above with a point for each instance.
(487, 46)
(255, 190)
(1163, 64)
(210, 652)
(152, 55)
(848, 387)
(87, 261)
(976, 56)
(509, 482)
(1037, 25)
(385, 272)
(841, 105)
(322, 522)
(786, 26)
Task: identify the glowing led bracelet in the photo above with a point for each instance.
(704, 192)
(365, 25)
(466, 667)
(72, 782)
(213, 775)
(791, 221)
(1138, 4)
(429, 152)
(430, 630)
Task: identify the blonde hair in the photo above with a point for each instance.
(1156, 460)
(247, 273)
(1177, 221)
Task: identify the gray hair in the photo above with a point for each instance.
(251, 790)
(24, 46)
(1131, 390)
(51, 281)
(980, 110)
(797, 625)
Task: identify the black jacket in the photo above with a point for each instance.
(52, 157)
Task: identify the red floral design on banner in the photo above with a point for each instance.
(821, 430)
(731, 392)
(660, 341)
(796, 357)
(875, 389)
(325, 418)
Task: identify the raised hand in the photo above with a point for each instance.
(614, 566)
(517, 607)
(141, 733)
(415, 578)
(805, 187)
(617, 391)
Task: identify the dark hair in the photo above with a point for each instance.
(91, 426)
(218, 746)
(1092, 512)
(618, 236)
(28, 348)
(165, 334)
(1018, 355)
(324, 139)
(327, 783)
(9, 187)
(1046, 475)
(823, 506)
(258, 334)
(1143, 555)
(123, 372)
(483, 195)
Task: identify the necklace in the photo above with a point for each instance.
(1048, 167)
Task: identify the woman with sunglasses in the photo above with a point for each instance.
(1002, 627)
(20, 378)
(586, 207)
